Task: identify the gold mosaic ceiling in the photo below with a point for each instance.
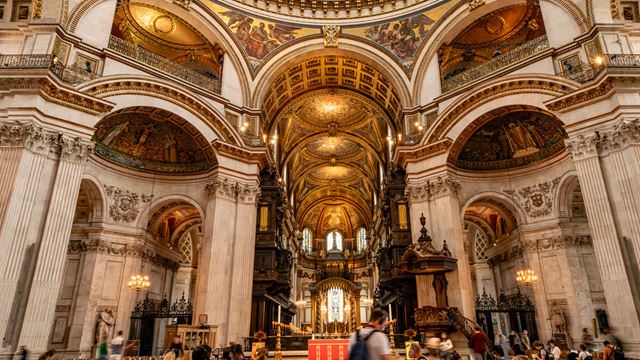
(333, 142)
(335, 72)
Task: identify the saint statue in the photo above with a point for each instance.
(106, 320)
(520, 140)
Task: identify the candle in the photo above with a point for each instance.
(390, 315)
(279, 310)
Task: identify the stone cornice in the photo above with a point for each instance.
(257, 156)
(105, 247)
(409, 154)
(44, 141)
(601, 87)
(556, 243)
(53, 91)
(233, 190)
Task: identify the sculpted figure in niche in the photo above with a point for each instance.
(558, 321)
(106, 320)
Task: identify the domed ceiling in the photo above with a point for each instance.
(167, 35)
(333, 142)
(508, 140)
(152, 139)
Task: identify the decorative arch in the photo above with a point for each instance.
(360, 56)
(162, 204)
(564, 196)
(493, 95)
(148, 91)
(500, 200)
(459, 18)
(198, 16)
(93, 190)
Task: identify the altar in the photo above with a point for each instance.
(329, 349)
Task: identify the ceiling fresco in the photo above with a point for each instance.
(167, 35)
(490, 36)
(154, 140)
(401, 38)
(510, 140)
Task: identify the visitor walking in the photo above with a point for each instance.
(117, 346)
(526, 342)
(587, 339)
(479, 343)
(584, 354)
(370, 342)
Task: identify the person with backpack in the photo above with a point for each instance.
(584, 353)
(370, 342)
(612, 352)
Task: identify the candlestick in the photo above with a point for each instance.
(279, 311)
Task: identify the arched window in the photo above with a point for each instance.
(481, 245)
(361, 236)
(335, 304)
(334, 237)
(306, 240)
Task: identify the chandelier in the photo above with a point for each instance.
(139, 282)
(526, 277)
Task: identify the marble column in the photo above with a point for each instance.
(448, 226)
(243, 254)
(609, 196)
(39, 184)
(225, 270)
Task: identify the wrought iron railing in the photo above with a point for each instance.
(585, 73)
(163, 64)
(70, 74)
(499, 62)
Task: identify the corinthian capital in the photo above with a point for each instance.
(583, 146)
(27, 135)
(248, 193)
(443, 185)
(74, 149)
(418, 192)
(222, 187)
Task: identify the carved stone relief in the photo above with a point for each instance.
(601, 142)
(108, 248)
(232, 190)
(474, 4)
(537, 200)
(437, 186)
(125, 204)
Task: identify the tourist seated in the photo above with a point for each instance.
(445, 346)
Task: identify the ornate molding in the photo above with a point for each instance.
(474, 4)
(183, 3)
(45, 142)
(233, 190)
(105, 247)
(125, 205)
(408, 154)
(330, 35)
(556, 243)
(536, 200)
(583, 146)
(615, 9)
(584, 95)
(418, 192)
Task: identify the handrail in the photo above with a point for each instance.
(464, 324)
(501, 61)
(585, 73)
(161, 63)
(71, 74)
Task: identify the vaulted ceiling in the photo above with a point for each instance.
(332, 144)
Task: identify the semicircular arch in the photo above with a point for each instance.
(497, 199)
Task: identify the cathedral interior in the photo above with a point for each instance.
(267, 172)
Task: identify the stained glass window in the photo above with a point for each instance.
(362, 239)
(306, 240)
(335, 301)
(334, 237)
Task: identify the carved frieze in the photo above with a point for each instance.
(43, 141)
(474, 4)
(125, 205)
(536, 200)
(105, 247)
(330, 34)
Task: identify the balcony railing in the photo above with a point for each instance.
(501, 61)
(163, 64)
(586, 73)
(70, 74)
